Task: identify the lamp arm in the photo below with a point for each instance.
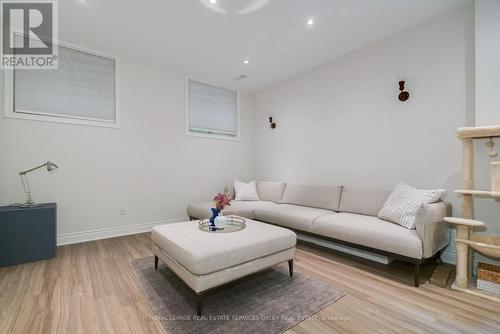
(26, 187)
(32, 169)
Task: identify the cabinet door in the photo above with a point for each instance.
(27, 235)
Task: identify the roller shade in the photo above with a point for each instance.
(212, 110)
(83, 87)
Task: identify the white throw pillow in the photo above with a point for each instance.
(404, 202)
(245, 191)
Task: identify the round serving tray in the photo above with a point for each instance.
(233, 224)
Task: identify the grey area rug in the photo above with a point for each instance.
(266, 302)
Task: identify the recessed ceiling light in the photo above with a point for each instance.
(310, 22)
(246, 61)
(213, 2)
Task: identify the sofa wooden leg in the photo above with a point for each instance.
(290, 267)
(417, 274)
(156, 262)
(199, 303)
(191, 218)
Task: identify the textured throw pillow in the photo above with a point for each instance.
(245, 191)
(404, 202)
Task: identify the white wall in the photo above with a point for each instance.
(342, 123)
(149, 166)
(487, 21)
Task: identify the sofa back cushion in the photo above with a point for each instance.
(315, 196)
(270, 191)
(363, 201)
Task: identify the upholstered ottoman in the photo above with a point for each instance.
(205, 260)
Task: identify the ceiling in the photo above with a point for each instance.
(210, 42)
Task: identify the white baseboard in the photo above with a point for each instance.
(111, 232)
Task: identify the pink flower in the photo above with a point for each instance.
(222, 200)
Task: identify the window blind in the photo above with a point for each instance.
(83, 87)
(212, 110)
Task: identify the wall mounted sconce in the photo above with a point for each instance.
(404, 95)
(272, 124)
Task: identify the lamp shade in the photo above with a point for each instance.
(51, 166)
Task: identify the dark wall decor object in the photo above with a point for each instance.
(27, 234)
(404, 95)
(271, 123)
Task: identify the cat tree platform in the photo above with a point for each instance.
(478, 132)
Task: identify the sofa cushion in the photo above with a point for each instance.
(270, 191)
(293, 216)
(404, 202)
(370, 232)
(363, 201)
(203, 253)
(201, 210)
(315, 196)
(246, 208)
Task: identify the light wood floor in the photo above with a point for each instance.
(89, 288)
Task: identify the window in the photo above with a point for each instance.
(81, 91)
(212, 111)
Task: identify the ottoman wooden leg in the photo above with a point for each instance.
(199, 303)
(156, 262)
(290, 267)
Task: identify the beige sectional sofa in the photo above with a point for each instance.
(345, 215)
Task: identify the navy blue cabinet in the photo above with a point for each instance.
(27, 234)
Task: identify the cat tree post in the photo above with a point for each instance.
(462, 280)
(468, 178)
(464, 257)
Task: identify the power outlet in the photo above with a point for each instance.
(123, 211)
